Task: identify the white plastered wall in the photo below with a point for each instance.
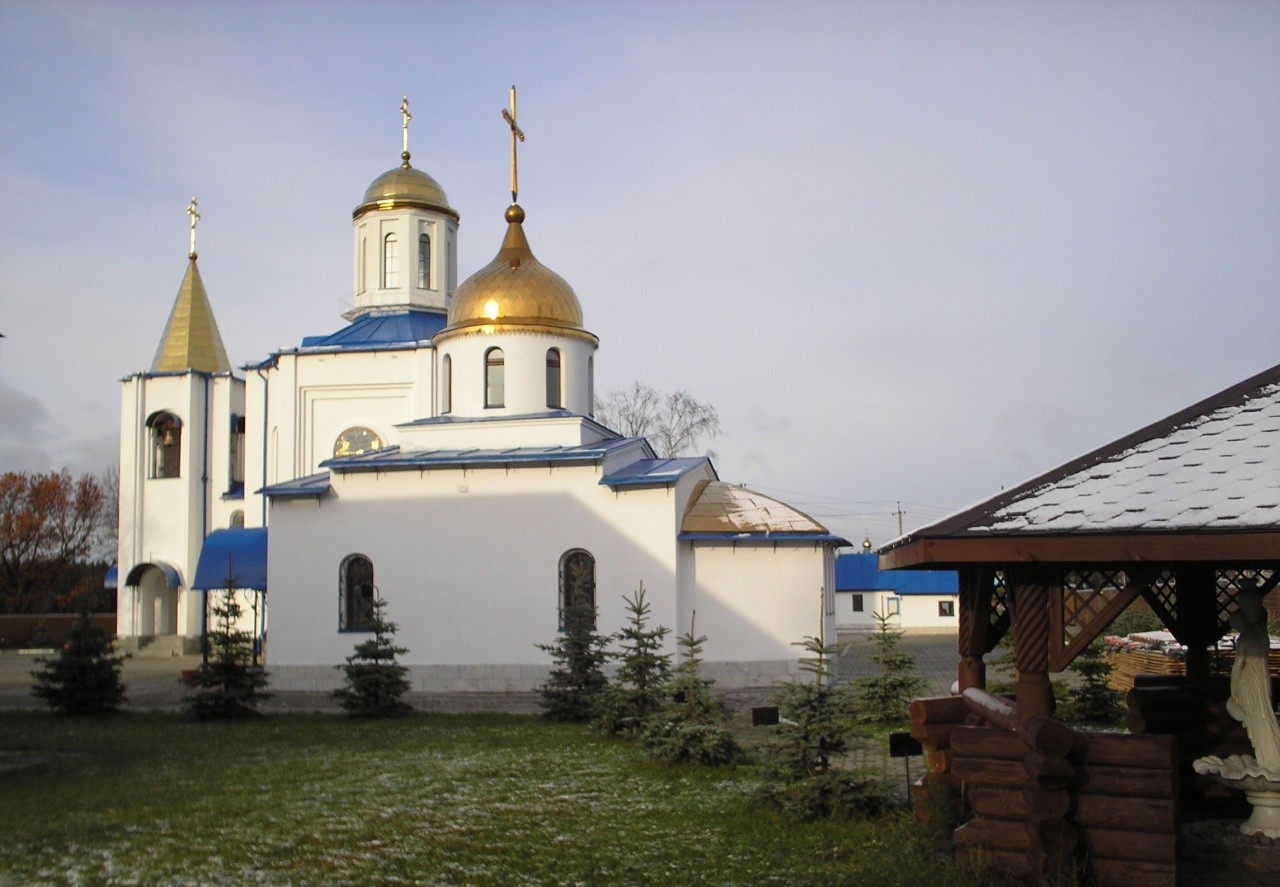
(468, 562)
(754, 601)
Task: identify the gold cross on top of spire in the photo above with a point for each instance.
(195, 217)
(404, 112)
(517, 134)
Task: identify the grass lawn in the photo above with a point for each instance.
(429, 799)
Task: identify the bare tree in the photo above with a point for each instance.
(49, 525)
(674, 423)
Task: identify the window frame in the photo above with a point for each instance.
(390, 258)
(555, 379)
(567, 561)
(424, 261)
(947, 609)
(859, 604)
(446, 384)
(165, 456)
(495, 364)
(892, 606)
(356, 592)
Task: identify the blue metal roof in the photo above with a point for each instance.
(233, 558)
(172, 577)
(313, 485)
(112, 579)
(861, 572)
(391, 458)
(373, 331)
(651, 472)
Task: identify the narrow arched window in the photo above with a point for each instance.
(424, 262)
(493, 378)
(166, 445)
(591, 386)
(577, 590)
(389, 263)
(237, 519)
(446, 384)
(554, 398)
(355, 593)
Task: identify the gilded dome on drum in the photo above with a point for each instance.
(405, 186)
(515, 288)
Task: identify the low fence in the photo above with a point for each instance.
(21, 630)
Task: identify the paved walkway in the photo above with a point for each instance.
(155, 684)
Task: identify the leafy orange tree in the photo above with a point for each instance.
(50, 525)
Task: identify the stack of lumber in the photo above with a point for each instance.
(1128, 664)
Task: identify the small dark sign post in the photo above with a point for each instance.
(903, 745)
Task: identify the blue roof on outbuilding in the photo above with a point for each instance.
(861, 572)
(398, 329)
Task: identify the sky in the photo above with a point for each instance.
(912, 252)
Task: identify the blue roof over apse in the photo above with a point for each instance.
(373, 331)
(235, 558)
(861, 572)
(313, 485)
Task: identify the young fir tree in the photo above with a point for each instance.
(817, 728)
(575, 688)
(375, 680)
(691, 726)
(883, 698)
(229, 682)
(84, 677)
(1092, 701)
(640, 685)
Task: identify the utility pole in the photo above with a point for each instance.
(899, 513)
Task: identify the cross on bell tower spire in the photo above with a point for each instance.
(195, 217)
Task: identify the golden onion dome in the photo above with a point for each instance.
(405, 186)
(515, 289)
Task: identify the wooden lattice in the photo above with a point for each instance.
(999, 615)
(1086, 602)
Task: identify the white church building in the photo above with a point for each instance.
(439, 451)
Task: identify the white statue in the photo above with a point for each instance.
(1250, 703)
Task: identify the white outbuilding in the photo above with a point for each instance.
(439, 452)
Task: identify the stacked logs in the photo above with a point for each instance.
(1039, 796)
(1125, 807)
(1014, 778)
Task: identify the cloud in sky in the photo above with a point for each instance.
(912, 251)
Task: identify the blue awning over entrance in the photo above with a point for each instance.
(172, 577)
(236, 557)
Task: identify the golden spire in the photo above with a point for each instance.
(195, 217)
(516, 134)
(191, 340)
(404, 126)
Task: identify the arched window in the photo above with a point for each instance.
(577, 589)
(236, 455)
(355, 593)
(424, 262)
(493, 378)
(591, 386)
(237, 518)
(166, 445)
(554, 398)
(446, 384)
(389, 255)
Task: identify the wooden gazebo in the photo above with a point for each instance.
(1184, 513)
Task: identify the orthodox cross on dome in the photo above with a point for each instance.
(404, 112)
(195, 217)
(517, 134)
